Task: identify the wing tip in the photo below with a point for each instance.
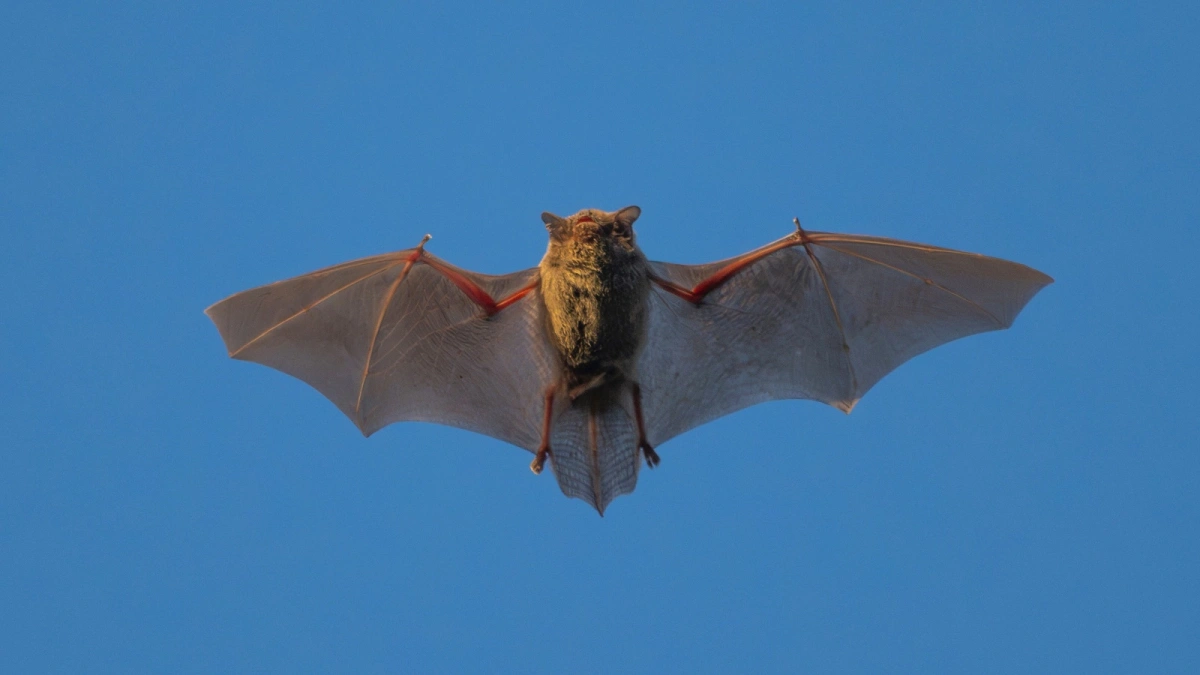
(1043, 279)
(363, 428)
(211, 313)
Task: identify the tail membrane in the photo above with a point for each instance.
(594, 450)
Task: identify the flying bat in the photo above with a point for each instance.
(597, 356)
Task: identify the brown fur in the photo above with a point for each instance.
(595, 283)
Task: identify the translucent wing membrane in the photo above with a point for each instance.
(595, 451)
(391, 338)
(822, 321)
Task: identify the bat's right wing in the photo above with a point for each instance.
(814, 315)
(405, 336)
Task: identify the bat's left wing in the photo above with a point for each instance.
(405, 336)
(814, 315)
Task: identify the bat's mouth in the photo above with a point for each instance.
(590, 231)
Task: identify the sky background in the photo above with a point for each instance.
(1020, 501)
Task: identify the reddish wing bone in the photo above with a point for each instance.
(477, 295)
(696, 295)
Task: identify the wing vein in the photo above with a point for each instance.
(306, 308)
(421, 340)
(594, 451)
(383, 307)
(929, 282)
(837, 317)
(821, 239)
(398, 361)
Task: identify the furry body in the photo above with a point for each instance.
(595, 283)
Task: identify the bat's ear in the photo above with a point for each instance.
(552, 221)
(627, 215)
(623, 221)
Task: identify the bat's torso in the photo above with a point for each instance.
(595, 296)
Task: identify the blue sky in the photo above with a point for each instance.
(1023, 501)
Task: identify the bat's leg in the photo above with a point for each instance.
(648, 452)
(543, 451)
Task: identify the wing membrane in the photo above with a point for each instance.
(824, 321)
(390, 338)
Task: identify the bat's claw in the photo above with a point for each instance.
(648, 452)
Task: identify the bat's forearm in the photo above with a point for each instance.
(675, 289)
(697, 293)
(480, 297)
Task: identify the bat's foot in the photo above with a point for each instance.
(648, 452)
(539, 460)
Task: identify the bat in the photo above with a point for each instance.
(597, 356)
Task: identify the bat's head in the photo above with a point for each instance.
(593, 227)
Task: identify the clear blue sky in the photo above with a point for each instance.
(1023, 501)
